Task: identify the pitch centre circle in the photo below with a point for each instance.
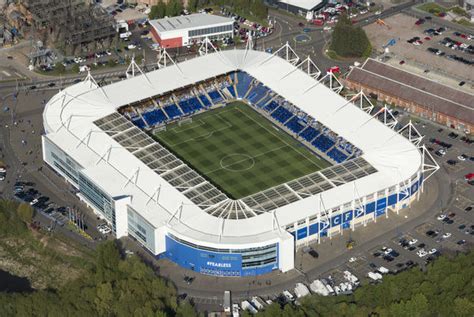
(237, 162)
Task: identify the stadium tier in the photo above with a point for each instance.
(139, 161)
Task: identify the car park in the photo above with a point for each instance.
(451, 162)
(462, 157)
(421, 253)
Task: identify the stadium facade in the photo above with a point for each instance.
(95, 138)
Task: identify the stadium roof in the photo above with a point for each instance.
(426, 93)
(188, 21)
(304, 4)
(75, 120)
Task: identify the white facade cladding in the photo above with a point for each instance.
(84, 128)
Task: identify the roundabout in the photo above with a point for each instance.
(302, 38)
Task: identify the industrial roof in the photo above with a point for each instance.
(304, 4)
(410, 87)
(69, 122)
(195, 20)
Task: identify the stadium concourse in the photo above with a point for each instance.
(119, 146)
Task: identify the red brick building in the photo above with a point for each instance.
(418, 95)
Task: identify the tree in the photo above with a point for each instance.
(158, 11)
(104, 298)
(75, 68)
(174, 8)
(107, 261)
(111, 62)
(60, 68)
(25, 212)
(463, 307)
(349, 41)
(192, 5)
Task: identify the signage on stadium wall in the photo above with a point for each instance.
(211, 263)
(378, 207)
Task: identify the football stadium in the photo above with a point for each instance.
(228, 162)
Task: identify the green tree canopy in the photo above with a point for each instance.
(348, 40)
(25, 212)
(158, 11)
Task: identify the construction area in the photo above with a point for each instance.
(71, 26)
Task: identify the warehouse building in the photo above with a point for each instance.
(187, 30)
(301, 7)
(418, 95)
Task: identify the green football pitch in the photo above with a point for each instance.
(239, 150)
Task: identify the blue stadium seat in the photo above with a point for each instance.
(205, 101)
(309, 134)
(257, 93)
(243, 83)
(215, 96)
(323, 143)
(154, 117)
(294, 125)
(190, 105)
(337, 155)
(139, 122)
(231, 90)
(195, 104)
(282, 114)
(271, 106)
(263, 101)
(172, 111)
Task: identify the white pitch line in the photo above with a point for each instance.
(243, 160)
(292, 147)
(208, 134)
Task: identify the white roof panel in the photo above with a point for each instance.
(69, 117)
(191, 21)
(304, 4)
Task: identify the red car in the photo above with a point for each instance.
(420, 21)
(334, 69)
(401, 62)
(318, 22)
(469, 176)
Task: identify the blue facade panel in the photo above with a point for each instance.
(392, 199)
(314, 228)
(382, 204)
(336, 220)
(212, 263)
(302, 233)
(347, 216)
(370, 207)
(414, 188)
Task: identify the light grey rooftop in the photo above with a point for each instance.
(188, 21)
